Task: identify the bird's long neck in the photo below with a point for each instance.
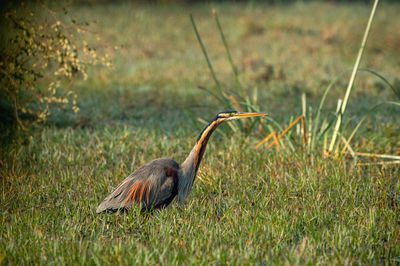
(191, 164)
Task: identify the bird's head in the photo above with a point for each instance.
(232, 115)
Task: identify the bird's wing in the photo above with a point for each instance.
(149, 186)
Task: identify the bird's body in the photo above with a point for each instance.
(157, 183)
(154, 185)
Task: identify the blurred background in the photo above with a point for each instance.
(144, 62)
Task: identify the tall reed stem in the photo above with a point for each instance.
(352, 77)
(207, 59)
(234, 71)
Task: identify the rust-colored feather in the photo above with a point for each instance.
(144, 187)
(171, 172)
(133, 192)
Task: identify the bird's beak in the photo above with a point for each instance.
(244, 115)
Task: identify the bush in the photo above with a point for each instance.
(40, 56)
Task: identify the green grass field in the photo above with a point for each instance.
(247, 206)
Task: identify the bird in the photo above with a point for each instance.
(157, 183)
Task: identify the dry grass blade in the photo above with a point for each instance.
(375, 155)
(202, 177)
(277, 138)
(237, 106)
(379, 163)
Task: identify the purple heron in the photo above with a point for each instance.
(155, 184)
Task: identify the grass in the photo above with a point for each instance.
(247, 206)
(271, 208)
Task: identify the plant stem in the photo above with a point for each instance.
(235, 74)
(352, 77)
(207, 59)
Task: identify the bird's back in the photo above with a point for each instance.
(151, 185)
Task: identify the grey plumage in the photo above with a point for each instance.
(155, 184)
(152, 172)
